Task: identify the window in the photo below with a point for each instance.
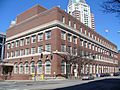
(89, 45)
(63, 48)
(63, 35)
(85, 32)
(26, 68)
(27, 40)
(33, 50)
(40, 49)
(39, 67)
(48, 35)
(40, 37)
(21, 42)
(26, 51)
(92, 46)
(12, 45)
(21, 52)
(8, 46)
(15, 68)
(74, 51)
(74, 39)
(33, 39)
(81, 42)
(89, 34)
(85, 44)
(20, 68)
(12, 54)
(63, 67)
(63, 19)
(74, 25)
(17, 43)
(48, 47)
(16, 53)
(69, 22)
(47, 67)
(69, 37)
(81, 30)
(69, 49)
(8, 55)
(32, 67)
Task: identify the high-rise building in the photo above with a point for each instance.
(81, 10)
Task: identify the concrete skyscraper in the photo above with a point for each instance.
(81, 10)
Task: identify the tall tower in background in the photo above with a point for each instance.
(81, 10)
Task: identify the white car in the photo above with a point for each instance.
(87, 77)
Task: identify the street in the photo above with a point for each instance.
(105, 83)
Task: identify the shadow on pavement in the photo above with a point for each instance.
(105, 84)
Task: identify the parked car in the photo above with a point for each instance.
(116, 74)
(105, 74)
(87, 77)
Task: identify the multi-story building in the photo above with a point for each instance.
(81, 10)
(44, 41)
(2, 42)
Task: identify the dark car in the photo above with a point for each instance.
(116, 74)
(87, 77)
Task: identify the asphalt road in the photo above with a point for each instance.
(105, 84)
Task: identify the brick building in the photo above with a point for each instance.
(40, 38)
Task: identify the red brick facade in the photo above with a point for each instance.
(52, 25)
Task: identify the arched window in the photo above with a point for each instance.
(26, 68)
(63, 68)
(39, 67)
(16, 68)
(20, 68)
(47, 67)
(32, 67)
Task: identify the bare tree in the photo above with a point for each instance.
(111, 6)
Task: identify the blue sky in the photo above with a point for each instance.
(11, 8)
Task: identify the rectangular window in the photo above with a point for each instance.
(26, 51)
(12, 45)
(40, 37)
(81, 42)
(16, 53)
(40, 49)
(63, 48)
(21, 52)
(48, 47)
(63, 19)
(17, 43)
(33, 40)
(63, 35)
(33, 50)
(74, 39)
(27, 40)
(12, 54)
(69, 49)
(8, 46)
(74, 51)
(69, 22)
(22, 42)
(74, 26)
(81, 30)
(8, 55)
(48, 35)
(69, 38)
